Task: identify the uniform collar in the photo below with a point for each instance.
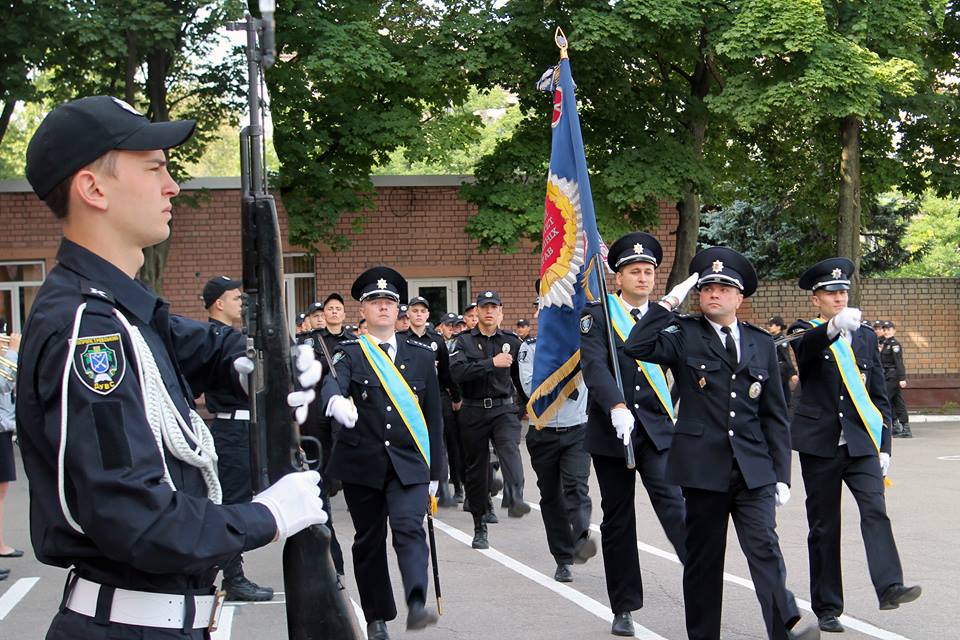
(476, 331)
(132, 294)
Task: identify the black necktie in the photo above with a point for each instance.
(386, 348)
(729, 344)
(635, 313)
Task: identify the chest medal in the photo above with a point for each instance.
(754, 390)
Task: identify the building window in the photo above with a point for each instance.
(19, 284)
(299, 285)
(444, 294)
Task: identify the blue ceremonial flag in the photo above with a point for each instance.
(568, 277)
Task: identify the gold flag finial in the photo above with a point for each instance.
(561, 39)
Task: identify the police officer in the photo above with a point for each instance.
(895, 374)
(483, 363)
(120, 493)
(451, 430)
(788, 373)
(731, 448)
(841, 428)
(389, 453)
(418, 311)
(562, 466)
(523, 328)
(403, 322)
(645, 402)
(470, 315)
(223, 301)
(302, 327)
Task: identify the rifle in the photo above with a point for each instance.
(316, 604)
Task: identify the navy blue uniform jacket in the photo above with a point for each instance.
(825, 406)
(361, 455)
(652, 419)
(718, 419)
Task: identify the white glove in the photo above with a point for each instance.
(434, 487)
(308, 368)
(294, 500)
(848, 318)
(342, 410)
(300, 402)
(622, 421)
(884, 463)
(244, 367)
(783, 494)
(680, 291)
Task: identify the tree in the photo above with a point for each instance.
(935, 233)
(356, 82)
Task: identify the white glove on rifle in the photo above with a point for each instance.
(294, 501)
(679, 293)
(244, 367)
(783, 494)
(848, 319)
(622, 420)
(308, 369)
(343, 411)
(300, 402)
(884, 463)
(434, 487)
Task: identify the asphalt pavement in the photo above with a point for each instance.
(508, 591)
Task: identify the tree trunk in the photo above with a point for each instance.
(848, 222)
(5, 116)
(130, 73)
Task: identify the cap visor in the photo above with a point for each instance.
(158, 135)
(839, 286)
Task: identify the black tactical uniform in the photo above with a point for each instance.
(891, 357)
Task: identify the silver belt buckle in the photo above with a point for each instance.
(217, 609)
(488, 403)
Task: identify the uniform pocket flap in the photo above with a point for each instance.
(690, 428)
(758, 373)
(702, 364)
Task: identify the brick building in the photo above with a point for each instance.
(418, 227)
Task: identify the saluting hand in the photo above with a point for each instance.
(677, 295)
(502, 360)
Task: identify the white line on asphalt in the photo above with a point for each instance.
(225, 627)
(848, 621)
(15, 594)
(586, 602)
(361, 621)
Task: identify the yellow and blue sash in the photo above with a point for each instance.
(622, 323)
(399, 392)
(850, 372)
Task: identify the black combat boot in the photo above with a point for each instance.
(479, 533)
(239, 588)
(905, 431)
(897, 429)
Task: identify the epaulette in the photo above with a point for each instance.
(593, 303)
(867, 325)
(531, 340)
(92, 290)
(417, 343)
(346, 342)
(753, 326)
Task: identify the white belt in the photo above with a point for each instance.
(239, 414)
(144, 609)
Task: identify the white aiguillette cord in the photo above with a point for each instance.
(169, 428)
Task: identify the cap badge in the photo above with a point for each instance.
(488, 294)
(836, 273)
(381, 284)
(126, 107)
(717, 266)
(638, 249)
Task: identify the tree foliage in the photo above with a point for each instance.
(935, 234)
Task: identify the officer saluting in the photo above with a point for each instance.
(389, 455)
(634, 257)
(122, 471)
(731, 450)
(841, 428)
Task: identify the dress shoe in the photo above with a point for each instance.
(898, 594)
(418, 617)
(377, 630)
(906, 432)
(830, 624)
(584, 549)
(809, 632)
(458, 493)
(518, 510)
(622, 624)
(444, 498)
(563, 573)
(490, 517)
(480, 536)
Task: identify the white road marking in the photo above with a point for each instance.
(15, 594)
(225, 628)
(361, 621)
(585, 602)
(950, 458)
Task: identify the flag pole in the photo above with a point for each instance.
(599, 269)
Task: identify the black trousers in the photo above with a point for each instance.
(478, 426)
(753, 513)
(404, 507)
(451, 438)
(823, 479)
(618, 529)
(70, 625)
(232, 441)
(895, 393)
(563, 471)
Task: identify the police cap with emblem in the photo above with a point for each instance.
(78, 132)
(403, 311)
(634, 247)
(216, 287)
(333, 296)
(778, 321)
(523, 322)
(379, 282)
(470, 305)
(832, 274)
(888, 324)
(449, 318)
(418, 300)
(301, 317)
(316, 307)
(723, 265)
(488, 297)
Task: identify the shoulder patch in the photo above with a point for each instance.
(308, 342)
(99, 362)
(586, 323)
(417, 343)
(337, 357)
(671, 329)
(896, 348)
